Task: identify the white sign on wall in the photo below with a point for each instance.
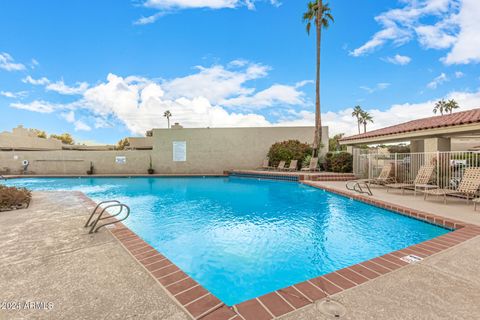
(120, 159)
(179, 151)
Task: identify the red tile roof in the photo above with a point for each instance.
(455, 119)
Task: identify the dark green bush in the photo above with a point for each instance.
(338, 162)
(287, 151)
(14, 198)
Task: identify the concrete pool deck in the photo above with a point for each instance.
(457, 208)
(47, 256)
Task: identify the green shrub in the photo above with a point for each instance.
(338, 162)
(14, 198)
(287, 151)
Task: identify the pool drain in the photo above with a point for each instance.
(331, 308)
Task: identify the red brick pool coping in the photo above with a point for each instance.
(199, 303)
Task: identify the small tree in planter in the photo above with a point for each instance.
(150, 168)
(287, 151)
(91, 170)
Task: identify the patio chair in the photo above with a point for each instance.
(422, 179)
(363, 185)
(266, 165)
(468, 186)
(313, 166)
(281, 165)
(475, 203)
(292, 166)
(383, 178)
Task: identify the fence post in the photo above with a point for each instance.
(396, 176)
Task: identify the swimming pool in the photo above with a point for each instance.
(241, 238)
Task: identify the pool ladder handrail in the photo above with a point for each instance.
(116, 203)
(357, 187)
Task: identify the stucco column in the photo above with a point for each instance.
(437, 144)
(417, 146)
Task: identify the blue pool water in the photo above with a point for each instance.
(242, 238)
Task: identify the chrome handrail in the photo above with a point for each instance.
(95, 210)
(94, 230)
(357, 187)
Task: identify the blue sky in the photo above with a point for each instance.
(107, 69)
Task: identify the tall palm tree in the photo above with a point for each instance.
(365, 117)
(440, 106)
(320, 14)
(451, 105)
(167, 115)
(357, 112)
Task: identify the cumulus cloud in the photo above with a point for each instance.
(342, 122)
(215, 96)
(398, 59)
(435, 24)
(8, 63)
(466, 48)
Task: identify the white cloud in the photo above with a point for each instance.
(79, 125)
(222, 82)
(169, 6)
(438, 81)
(459, 74)
(68, 116)
(37, 106)
(398, 59)
(378, 87)
(13, 95)
(36, 82)
(62, 88)
(215, 96)
(275, 95)
(34, 63)
(194, 4)
(436, 24)
(9, 64)
(342, 121)
(466, 48)
(58, 86)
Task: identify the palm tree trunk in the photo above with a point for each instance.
(358, 125)
(364, 127)
(168, 121)
(318, 119)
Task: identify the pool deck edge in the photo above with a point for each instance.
(199, 303)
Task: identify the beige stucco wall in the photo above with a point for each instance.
(214, 150)
(75, 162)
(140, 142)
(18, 141)
(208, 151)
